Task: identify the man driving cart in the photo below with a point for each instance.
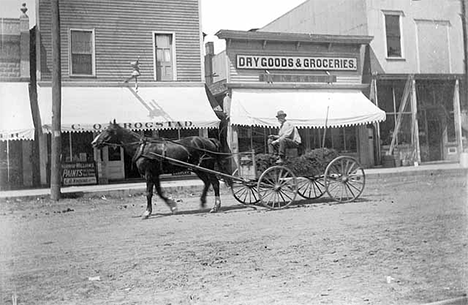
(288, 137)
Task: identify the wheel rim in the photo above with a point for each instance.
(277, 187)
(344, 179)
(311, 187)
(245, 193)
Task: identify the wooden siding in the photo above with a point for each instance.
(123, 31)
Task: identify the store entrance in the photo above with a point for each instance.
(115, 163)
(434, 134)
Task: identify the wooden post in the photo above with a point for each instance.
(457, 117)
(56, 144)
(414, 124)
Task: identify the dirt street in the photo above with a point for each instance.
(401, 243)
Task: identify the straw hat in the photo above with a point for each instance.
(281, 113)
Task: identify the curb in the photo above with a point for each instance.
(401, 175)
(456, 301)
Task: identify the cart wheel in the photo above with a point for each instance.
(311, 187)
(246, 191)
(344, 179)
(277, 187)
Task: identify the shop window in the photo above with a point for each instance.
(82, 53)
(76, 147)
(390, 97)
(435, 103)
(393, 35)
(164, 56)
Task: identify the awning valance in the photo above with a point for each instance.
(304, 108)
(15, 112)
(149, 108)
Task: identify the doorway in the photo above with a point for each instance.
(115, 163)
(434, 140)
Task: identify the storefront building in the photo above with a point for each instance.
(138, 64)
(415, 70)
(315, 79)
(17, 149)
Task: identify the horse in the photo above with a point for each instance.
(149, 156)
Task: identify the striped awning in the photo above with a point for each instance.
(148, 108)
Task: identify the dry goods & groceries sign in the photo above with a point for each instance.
(296, 63)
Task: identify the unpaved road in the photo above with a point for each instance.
(402, 243)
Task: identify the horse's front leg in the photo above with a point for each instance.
(149, 197)
(217, 204)
(206, 186)
(170, 203)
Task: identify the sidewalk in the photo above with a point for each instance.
(373, 175)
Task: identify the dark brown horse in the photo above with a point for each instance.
(199, 151)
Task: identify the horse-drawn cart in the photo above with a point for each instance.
(254, 182)
(277, 186)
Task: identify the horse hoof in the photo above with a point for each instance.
(174, 210)
(214, 210)
(146, 215)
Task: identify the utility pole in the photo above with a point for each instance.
(465, 48)
(55, 169)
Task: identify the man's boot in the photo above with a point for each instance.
(280, 160)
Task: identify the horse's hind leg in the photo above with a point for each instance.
(149, 197)
(206, 186)
(215, 182)
(170, 203)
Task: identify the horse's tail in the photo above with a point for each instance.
(223, 159)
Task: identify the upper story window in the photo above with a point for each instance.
(393, 34)
(164, 56)
(82, 52)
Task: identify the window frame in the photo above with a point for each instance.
(400, 15)
(93, 53)
(173, 54)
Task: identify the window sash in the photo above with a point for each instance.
(393, 35)
(164, 61)
(81, 52)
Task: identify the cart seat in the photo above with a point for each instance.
(293, 152)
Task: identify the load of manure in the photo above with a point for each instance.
(311, 163)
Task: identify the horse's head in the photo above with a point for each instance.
(110, 136)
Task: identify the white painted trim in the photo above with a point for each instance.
(93, 56)
(174, 58)
(449, 48)
(202, 43)
(418, 60)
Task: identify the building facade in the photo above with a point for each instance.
(136, 62)
(17, 146)
(415, 69)
(315, 79)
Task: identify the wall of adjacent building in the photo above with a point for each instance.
(123, 32)
(333, 17)
(432, 36)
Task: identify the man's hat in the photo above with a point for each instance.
(281, 113)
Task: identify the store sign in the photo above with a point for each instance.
(296, 63)
(137, 125)
(79, 173)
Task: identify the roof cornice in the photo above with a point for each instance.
(293, 37)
